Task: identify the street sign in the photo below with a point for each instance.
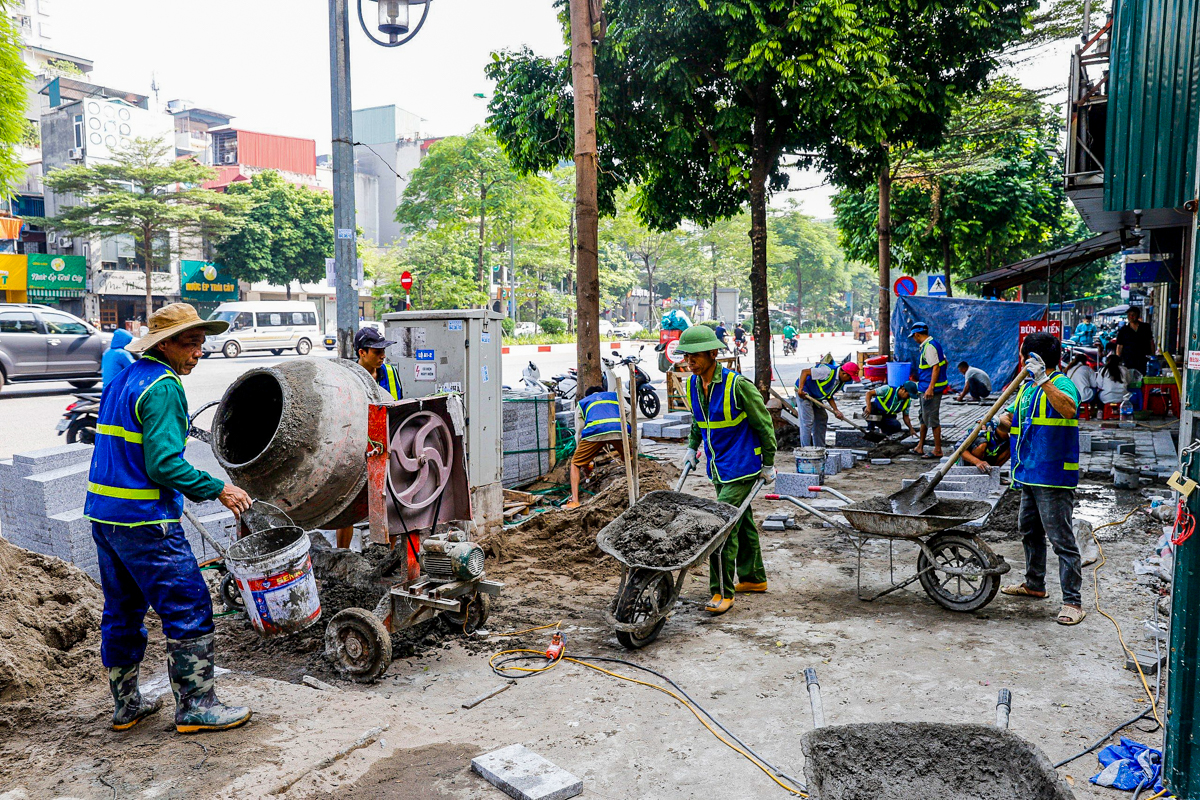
(937, 286)
(904, 286)
(1027, 327)
(406, 280)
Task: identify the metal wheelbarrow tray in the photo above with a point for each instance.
(648, 591)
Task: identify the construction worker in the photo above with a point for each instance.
(931, 382)
(889, 402)
(1045, 464)
(991, 447)
(817, 384)
(371, 348)
(597, 425)
(136, 486)
(733, 425)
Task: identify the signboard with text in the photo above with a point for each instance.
(204, 282)
(48, 272)
(1024, 328)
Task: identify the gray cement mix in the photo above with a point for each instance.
(667, 528)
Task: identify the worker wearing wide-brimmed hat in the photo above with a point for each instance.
(733, 425)
(136, 487)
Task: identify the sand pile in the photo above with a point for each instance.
(49, 624)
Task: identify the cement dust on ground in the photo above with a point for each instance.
(901, 658)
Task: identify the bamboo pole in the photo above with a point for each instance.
(625, 444)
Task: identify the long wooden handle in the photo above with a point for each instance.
(625, 443)
(1009, 391)
(853, 424)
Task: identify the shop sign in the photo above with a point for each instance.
(47, 271)
(12, 273)
(203, 282)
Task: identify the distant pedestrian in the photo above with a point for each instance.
(976, 382)
(1083, 376)
(116, 358)
(931, 382)
(1135, 342)
(1085, 332)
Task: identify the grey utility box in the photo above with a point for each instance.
(458, 351)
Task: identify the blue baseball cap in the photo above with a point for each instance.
(368, 338)
(918, 327)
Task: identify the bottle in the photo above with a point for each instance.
(1127, 412)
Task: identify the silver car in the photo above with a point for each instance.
(40, 343)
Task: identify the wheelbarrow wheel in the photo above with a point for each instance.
(958, 592)
(475, 612)
(231, 596)
(646, 595)
(358, 644)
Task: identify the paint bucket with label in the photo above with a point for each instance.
(274, 574)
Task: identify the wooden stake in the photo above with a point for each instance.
(633, 422)
(625, 444)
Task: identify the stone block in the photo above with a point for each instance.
(57, 490)
(51, 458)
(652, 429)
(796, 484)
(522, 774)
(1085, 442)
(675, 431)
(679, 417)
(833, 463)
(852, 438)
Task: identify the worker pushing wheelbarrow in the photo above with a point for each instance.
(733, 427)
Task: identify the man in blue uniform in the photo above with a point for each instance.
(733, 425)
(889, 403)
(371, 348)
(816, 385)
(1045, 464)
(136, 486)
(597, 425)
(931, 382)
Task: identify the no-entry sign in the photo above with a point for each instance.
(406, 280)
(904, 286)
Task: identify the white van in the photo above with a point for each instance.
(274, 325)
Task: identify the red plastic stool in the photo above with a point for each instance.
(1112, 411)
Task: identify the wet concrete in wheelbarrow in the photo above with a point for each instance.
(666, 529)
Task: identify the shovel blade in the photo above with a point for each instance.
(914, 499)
(874, 436)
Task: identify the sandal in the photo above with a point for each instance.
(570, 505)
(1021, 590)
(1069, 615)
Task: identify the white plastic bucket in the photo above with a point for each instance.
(274, 575)
(810, 460)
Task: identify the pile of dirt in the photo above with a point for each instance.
(49, 625)
(1002, 522)
(564, 540)
(669, 529)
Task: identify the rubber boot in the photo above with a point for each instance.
(192, 668)
(130, 706)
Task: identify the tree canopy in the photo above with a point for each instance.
(14, 78)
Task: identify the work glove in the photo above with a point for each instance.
(1037, 369)
(691, 459)
(768, 475)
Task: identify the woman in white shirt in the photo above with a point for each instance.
(1114, 380)
(1084, 378)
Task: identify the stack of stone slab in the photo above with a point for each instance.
(41, 507)
(1154, 452)
(674, 425)
(965, 482)
(526, 437)
(779, 521)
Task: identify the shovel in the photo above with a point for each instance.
(869, 435)
(918, 497)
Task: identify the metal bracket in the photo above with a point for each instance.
(1185, 486)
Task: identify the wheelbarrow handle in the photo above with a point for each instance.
(191, 517)
(1003, 708)
(687, 469)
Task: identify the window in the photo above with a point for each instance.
(63, 325)
(238, 321)
(79, 133)
(304, 318)
(17, 322)
(273, 320)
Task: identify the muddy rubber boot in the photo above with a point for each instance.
(192, 669)
(130, 707)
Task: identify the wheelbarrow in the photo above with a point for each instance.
(923, 760)
(648, 591)
(956, 569)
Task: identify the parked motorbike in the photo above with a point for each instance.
(563, 385)
(647, 398)
(79, 420)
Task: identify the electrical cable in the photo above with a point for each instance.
(1096, 745)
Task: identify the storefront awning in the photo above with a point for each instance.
(53, 294)
(1048, 265)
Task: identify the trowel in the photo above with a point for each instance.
(918, 497)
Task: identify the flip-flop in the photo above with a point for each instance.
(1021, 590)
(1073, 616)
(928, 456)
(571, 505)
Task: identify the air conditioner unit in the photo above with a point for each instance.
(65, 241)
(75, 154)
(51, 237)
(230, 158)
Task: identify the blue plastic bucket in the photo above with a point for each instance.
(810, 460)
(898, 372)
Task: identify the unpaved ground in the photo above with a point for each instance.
(899, 658)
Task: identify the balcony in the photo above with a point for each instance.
(1088, 90)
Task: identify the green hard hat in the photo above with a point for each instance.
(698, 339)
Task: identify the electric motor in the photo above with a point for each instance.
(446, 560)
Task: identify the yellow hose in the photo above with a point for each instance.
(1166, 354)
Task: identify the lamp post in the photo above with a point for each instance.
(393, 21)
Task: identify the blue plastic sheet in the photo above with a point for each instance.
(1128, 765)
(981, 332)
(675, 320)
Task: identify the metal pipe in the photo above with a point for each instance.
(814, 697)
(345, 251)
(1003, 708)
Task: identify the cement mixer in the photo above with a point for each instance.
(317, 438)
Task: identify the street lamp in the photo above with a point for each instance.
(393, 22)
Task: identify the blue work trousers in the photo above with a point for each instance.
(141, 567)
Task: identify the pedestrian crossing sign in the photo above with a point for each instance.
(937, 285)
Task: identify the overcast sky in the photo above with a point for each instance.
(266, 62)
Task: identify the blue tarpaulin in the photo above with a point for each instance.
(1129, 765)
(981, 332)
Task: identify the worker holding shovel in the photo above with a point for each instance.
(733, 425)
(889, 402)
(816, 385)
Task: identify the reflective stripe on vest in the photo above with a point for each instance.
(601, 415)
(890, 402)
(1045, 447)
(732, 450)
(390, 381)
(119, 490)
(925, 369)
(821, 389)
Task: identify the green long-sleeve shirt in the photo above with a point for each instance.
(162, 411)
(750, 401)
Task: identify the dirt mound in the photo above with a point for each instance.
(49, 624)
(564, 540)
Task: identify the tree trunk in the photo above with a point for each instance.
(946, 265)
(799, 295)
(649, 284)
(287, 288)
(147, 255)
(885, 256)
(760, 165)
(483, 277)
(571, 263)
(587, 294)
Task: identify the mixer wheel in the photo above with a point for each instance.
(231, 595)
(358, 644)
(478, 609)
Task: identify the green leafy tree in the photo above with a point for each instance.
(286, 235)
(809, 265)
(644, 246)
(14, 77)
(442, 263)
(146, 194)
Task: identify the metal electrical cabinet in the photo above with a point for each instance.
(458, 351)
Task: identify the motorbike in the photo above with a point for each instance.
(741, 346)
(789, 346)
(563, 385)
(647, 397)
(79, 420)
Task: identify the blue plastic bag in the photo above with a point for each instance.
(1128, 765)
